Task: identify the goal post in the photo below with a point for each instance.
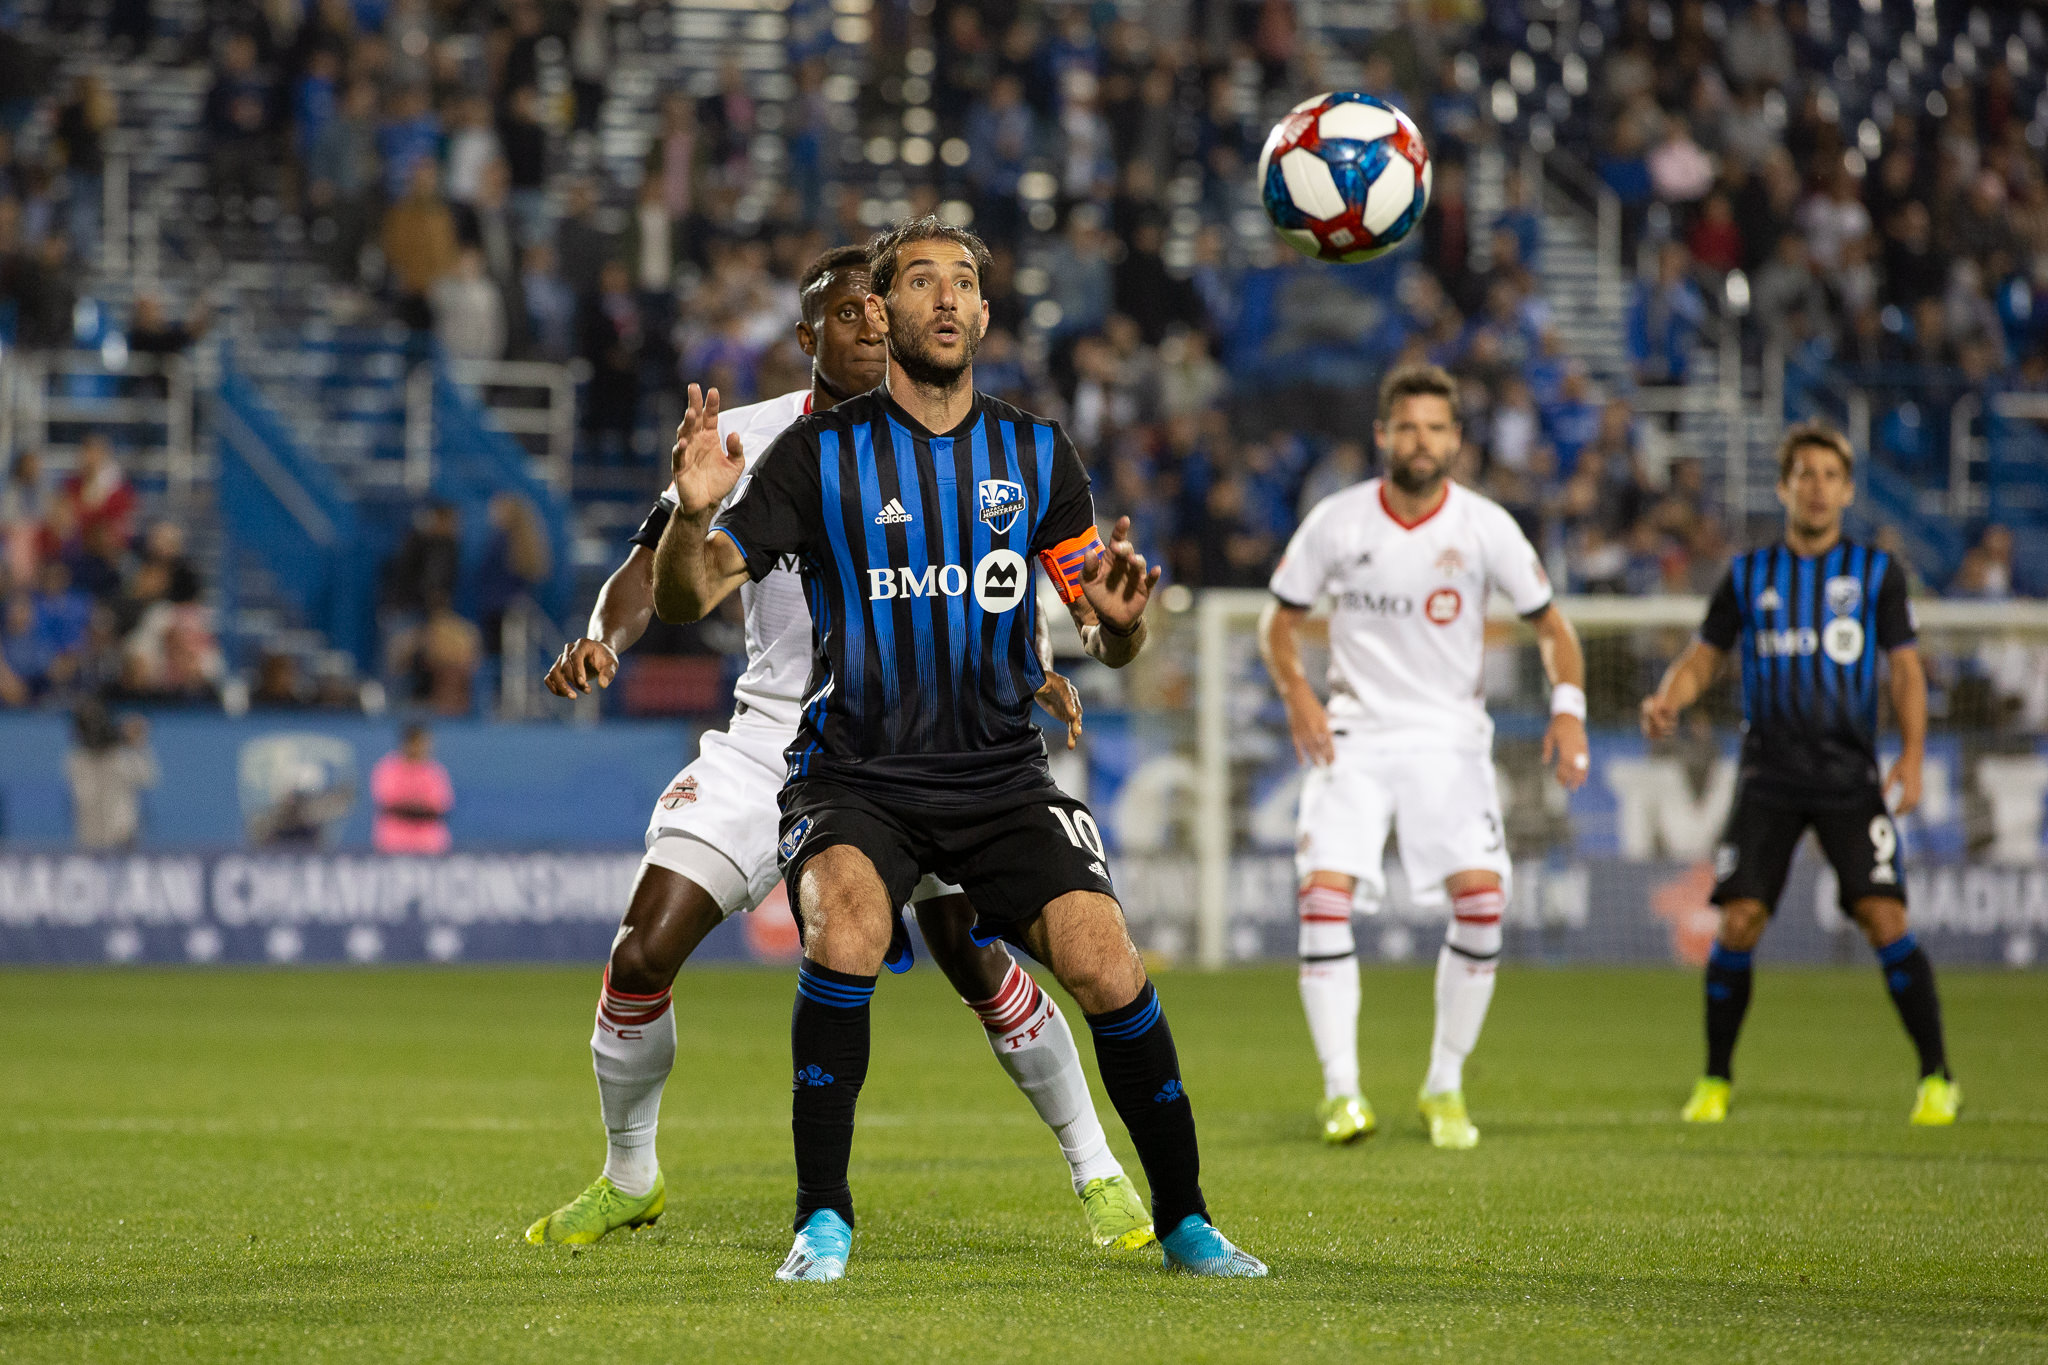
(1988, 669)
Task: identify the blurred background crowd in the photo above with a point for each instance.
(1849, 190)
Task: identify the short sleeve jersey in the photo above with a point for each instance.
(914, 549)
(1408, 629)
(1809, 632)
(778, 622)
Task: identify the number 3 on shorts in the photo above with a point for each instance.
(1080, 830)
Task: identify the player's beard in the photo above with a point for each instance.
(1408, 475)
(924, 368)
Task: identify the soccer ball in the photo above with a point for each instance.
(1344, 177)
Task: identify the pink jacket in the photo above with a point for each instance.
(397, 781)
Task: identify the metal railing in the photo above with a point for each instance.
(1585, 194)
(494, 383)
(39, 395)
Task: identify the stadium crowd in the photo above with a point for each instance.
(92, 598)
(444, 157)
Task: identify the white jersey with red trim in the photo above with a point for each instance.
(1408, 633)
(778, 619)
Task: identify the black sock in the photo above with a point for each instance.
(828, 1038)
(1909, 974)
(1728, 977)
(1141, 1072)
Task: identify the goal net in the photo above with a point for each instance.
(1194, 781)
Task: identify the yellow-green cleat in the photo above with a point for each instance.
(1937, 1103)
(1346, 1118)
(1116, 1214)
(598, 1210)
(1450, 1127)
(1709, 1102)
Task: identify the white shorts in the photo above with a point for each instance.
(717, 824)
(1443, 805)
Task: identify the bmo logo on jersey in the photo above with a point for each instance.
(1001, 581)
(1443, 605)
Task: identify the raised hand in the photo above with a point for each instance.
(702, 470)
(1116, 581)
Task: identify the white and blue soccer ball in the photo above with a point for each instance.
(1345, 177)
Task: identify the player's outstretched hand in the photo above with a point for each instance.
(703, 471)
(1904, 775)
(1062, 700)
(583, 663)
(1660, 718)
(1116, 581)
(1564, 746)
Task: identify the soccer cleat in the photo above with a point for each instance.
(1937, 1103)
(1450, 1127)
(1346, 1118)
(1116, 1214)
(598, 1210)
(1709, 1102)
(819, 1252)
(1198, 1248)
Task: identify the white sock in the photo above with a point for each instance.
(633, 1049)
(1031, 1039)
(1464, 986)
(1329, 985)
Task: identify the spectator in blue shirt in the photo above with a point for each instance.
(1572, 422)
(1664, 320)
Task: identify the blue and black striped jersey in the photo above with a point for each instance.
(915, 553)
(1809, 632)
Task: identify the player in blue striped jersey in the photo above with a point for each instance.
(1809, 619)
(913, 513)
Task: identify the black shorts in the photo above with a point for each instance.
(1013, 854)
(1763, 832)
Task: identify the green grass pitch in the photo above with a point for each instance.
(241, 1165)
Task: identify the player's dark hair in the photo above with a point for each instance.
(1800, 435)
(1418, 381)
(883, 249)
(810, 286)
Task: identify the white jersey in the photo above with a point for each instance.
(778, 619)
(1408, 633)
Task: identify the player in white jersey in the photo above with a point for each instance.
(1405, 743)
(711, 843)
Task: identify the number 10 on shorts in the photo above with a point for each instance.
(1080, 830)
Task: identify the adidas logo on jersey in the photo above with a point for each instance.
(1768, 600)
(892, 514)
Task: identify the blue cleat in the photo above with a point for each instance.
(819, 1252)
(1198, 1248)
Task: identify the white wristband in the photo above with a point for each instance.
(1568, 699)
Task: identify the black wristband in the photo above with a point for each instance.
(1108, 629)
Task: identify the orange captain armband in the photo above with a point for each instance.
(1064, 562)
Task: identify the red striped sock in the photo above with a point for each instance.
(1325, 914)
(1017, 1012)
(630, 1011)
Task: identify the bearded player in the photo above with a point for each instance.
(711, 842)
(1811, 615)
(1405, 743)
(914, 511)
